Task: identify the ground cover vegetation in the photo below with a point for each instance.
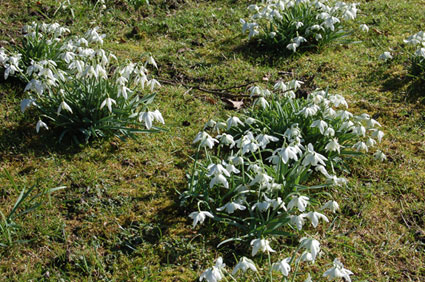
(164, 208)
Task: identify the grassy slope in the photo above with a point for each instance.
(120, 219)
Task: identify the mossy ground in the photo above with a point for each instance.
(120, 219)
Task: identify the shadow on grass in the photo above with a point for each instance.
(23, 140)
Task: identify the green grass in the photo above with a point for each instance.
(119, 218)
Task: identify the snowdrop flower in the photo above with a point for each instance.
(205, 140)
(233, 121)
(377, 134)
(151, 61)
(333, 146)
(282, 266)
(292, 47)
(370, 142)
(199, 217)
(27, 103)
(338, 181)
(329, 132)
(65, 107)
(153, 83)
(250, 120)
(385, 56)
(158, 116)
(264, 140)
(39, 125)
(311, 245)
(300, 202)
(261, 245)
(306, 256)
(147, 117)
(288, 153)
(318, 37)
(309, 111)
(217, 169)
(211, 275)
(313, 158)
(295, 84)
(231, 207)
(226, 139)
(280, 85)
(379, 155)
(232, 169)
(262, 179)
(338, 271)
(314, 217)
(108, 102)
(297, 220)
(210, 124)
(244, 264)
(262, 102)
(298, 25)
(323, 170)
(360, 146)
(219, 179)
(331, 205)
(364, 28)
(320, 124)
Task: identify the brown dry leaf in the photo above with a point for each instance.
(236, 105)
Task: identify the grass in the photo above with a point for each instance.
(119, 218)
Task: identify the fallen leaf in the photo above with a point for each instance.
(236, 105)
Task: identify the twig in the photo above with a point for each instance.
(219, 92)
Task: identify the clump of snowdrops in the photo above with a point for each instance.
(80, 89)
(418, 56)
(299, 24)
(258, 171)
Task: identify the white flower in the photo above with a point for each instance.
(217, 169)
(379, 155)
(338, 271)
(280, 85)
(205, 140)
(108, 102)
(27, 103)
(147, 117)
(331, 205)
(385, 56)
(264, 140)
(313, 158)
(262, 102)
(219, 178)
(311, 245)
(297, 220)
(232, 207)
(260, 244)
(64, 106)
(300, 202)
(151, 61)
(333, 146)
(40, 124)
(292, 47)
(226, 139)
(158, 116)
(282, 266)
(233, 121)
(211, 275)
(360, 146)
(377, 134)
(320, 124)
(314, 217)
(364, 28)
(199, 217)
(298, 25)
(244, 264)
